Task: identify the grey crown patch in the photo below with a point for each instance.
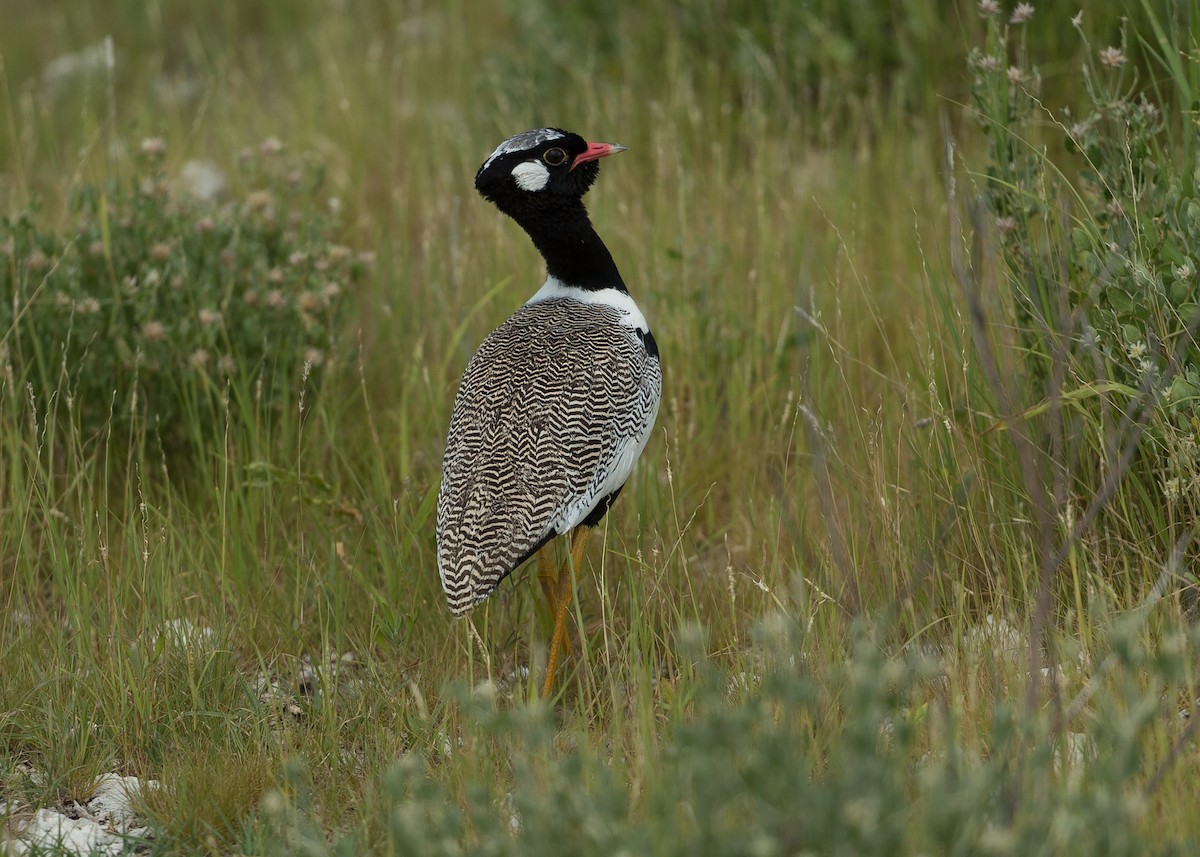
(521, 142)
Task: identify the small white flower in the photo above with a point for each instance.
(1015, 75)
(989, 8)
(209, 317)
(199, 358)
(1136, 350)
(153, 146)
(271, 146)
(1184, 271)
(1022, 13)
(1113, 57)
(1171, 489)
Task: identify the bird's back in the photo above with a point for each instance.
(553, 410)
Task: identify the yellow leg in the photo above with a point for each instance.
(579, 540)
(547, 578)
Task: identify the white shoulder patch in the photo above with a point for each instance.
(531, 175)
(621, 301)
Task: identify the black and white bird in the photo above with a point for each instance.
(558, 402)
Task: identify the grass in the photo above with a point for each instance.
(783, 622)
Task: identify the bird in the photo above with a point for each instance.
(556, 405)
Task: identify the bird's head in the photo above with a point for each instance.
(539, 168)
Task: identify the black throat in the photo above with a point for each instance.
(573, 251)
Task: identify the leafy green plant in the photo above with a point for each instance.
(865, 758)
(155, 299)
(1096, 214)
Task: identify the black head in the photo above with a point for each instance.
(538, 169)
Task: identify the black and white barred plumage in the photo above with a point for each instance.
(558, 402)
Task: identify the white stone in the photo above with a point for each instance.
(997, 637)
(94, 58)
(112, 802)
(183, 633)
(50, 829)
(203, 179)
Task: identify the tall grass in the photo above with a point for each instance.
(829, 456)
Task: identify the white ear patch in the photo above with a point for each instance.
(531, 175)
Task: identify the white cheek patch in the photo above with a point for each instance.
(531, 175)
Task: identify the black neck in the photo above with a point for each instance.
(573, 251)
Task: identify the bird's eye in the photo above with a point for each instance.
(555, 157)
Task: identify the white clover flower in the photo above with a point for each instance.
(209, 317)
(989, 8)
(258, 200)
(154, 331)
(199, 358)
(1171, 488)
(309, 302)
(1113, 57)
(271, 146)
(87, 306)
(1022, 13)
(153, 146)
(1015, 75)
(1184, 271)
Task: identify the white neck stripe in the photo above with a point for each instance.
(621, 301)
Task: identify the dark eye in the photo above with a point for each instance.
(555, 157)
